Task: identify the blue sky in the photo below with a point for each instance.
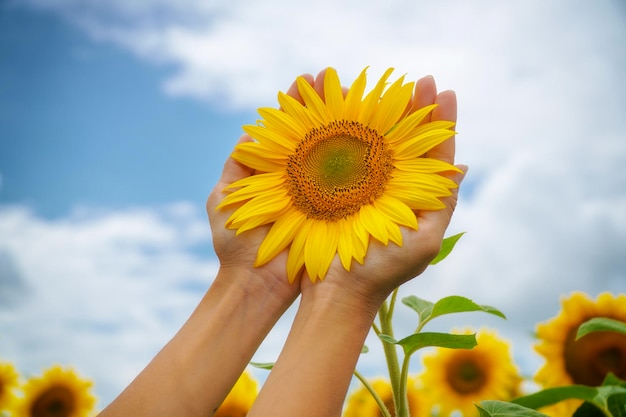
(86, 123)
(116, 117)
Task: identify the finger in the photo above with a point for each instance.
(446, 110)
(424, 94)
(437, 221)
(293, 89)
(319, 83)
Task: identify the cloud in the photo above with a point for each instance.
(105, 289)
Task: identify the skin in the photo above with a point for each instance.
(193, 373)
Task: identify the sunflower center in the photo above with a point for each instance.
(466, 377)
(337, 169)
(55, 402)
(589, 359)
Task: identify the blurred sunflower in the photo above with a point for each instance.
(588, 360)
(454, 379)
(336, 170)
(8, 383)
(57, 393)
(360, 403)
(240, 398)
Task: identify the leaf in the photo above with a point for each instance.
(263, 365)
(504, 409)
(554, 395)
(421, 306)
(458, 304)
(446, 340)
(601, 324)
(447, 245)
(365, 349)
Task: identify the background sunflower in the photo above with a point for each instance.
(454, 379)
(588, 360)
(8, 382)
(57, 393)
(360, 402)
(240, 398)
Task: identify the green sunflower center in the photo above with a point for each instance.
(338, 168)
(55, 402)
(466, 377)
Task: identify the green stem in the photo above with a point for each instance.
(403, 410)
(381, 404)
(391, 355)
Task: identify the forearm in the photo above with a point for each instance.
(314, 370)
(193, 373)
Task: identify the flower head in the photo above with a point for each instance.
(455, 379)
(239, 401)
(332, 172)
(8, 382)
(588, 360)
(360, 403)
(57, 393)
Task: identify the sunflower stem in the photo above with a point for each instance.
(381, 404)
(403, 410)
(391, 354)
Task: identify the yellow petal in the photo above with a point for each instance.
(418, 146)
(374, 223)
(354, 97)
(300, 113)
(280, 235)
(272, 139)
(371, 100)
(258, 157)
(295, 259)
(396, 211)
(312, 100)
(392, 105)
(345, 243)
(283, 124)
(333, 94)
(405, 126)
(320, 248)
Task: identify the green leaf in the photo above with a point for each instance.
(421, 306)
(504, 409)
(458, 304)
(365, 349)
(554, 395)
(447, 245)
(601, 324)
(447, 340)
(605, 392)
(263, 365)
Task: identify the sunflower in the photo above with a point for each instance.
(455, 379)
(57, 393)
(588, 360)
(8, 382)
(331, 172)
(240, 398)
(360, 403)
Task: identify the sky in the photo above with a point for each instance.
(116, 118)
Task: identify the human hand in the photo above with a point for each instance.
(237, 253)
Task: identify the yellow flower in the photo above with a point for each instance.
(360, 403)
(57, 393)
(8, 382)
(454, 379)
(336, 170)
(240, 398)
(588, 360)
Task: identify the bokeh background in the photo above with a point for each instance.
(116, 117)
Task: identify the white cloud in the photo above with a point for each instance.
(100, 290)
(542, 95)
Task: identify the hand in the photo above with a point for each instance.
(237, 254)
